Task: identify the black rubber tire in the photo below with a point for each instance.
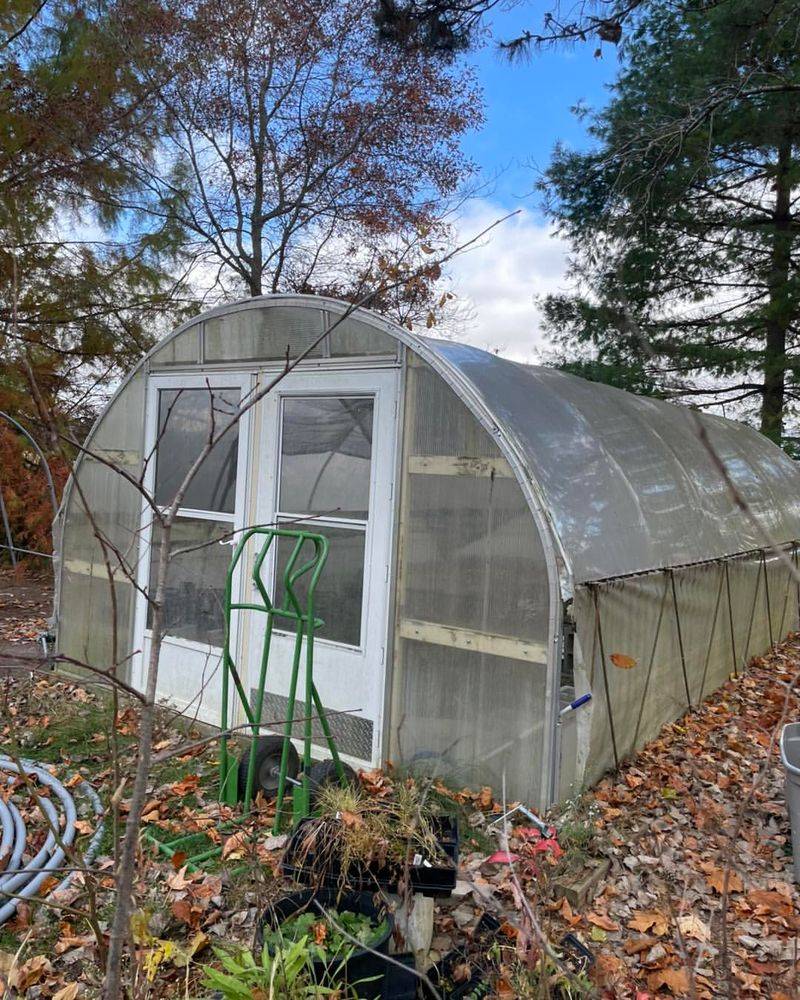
(267, 766)
(324, 773)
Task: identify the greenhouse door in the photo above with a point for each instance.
(327, 454)
(180, 413)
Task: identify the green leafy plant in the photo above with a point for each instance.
(286, 973)
(326, 940)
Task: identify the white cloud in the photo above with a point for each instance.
(498, 280)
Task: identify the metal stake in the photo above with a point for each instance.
(680, 638)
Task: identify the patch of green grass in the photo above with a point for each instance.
(577, 834)
(9, 942)
(71, 734)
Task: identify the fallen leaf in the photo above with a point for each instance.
(179, 880)
(68, 992)
(634, 945)
(646, 920)
(676, 981)
(234, 846)
(602, 920)
(29, 973)
(716, 879)
(566, 910)
(622, 661)
(771, 901)
(693, 927)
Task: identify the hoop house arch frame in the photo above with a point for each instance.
(633, 542)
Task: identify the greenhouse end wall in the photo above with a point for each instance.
(95, 622)
(471, 653)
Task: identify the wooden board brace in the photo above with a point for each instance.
(479, 642)
(454, 465)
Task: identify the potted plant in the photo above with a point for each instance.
(345, 935)
(362, 842)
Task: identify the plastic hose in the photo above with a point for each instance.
(25, 880)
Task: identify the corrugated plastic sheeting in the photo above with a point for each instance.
(477, 719)
(262, 333)
(352, 338)
(637, 621)
(628, 482)
(85, 621)
(271, 332)
(471, 559)
(182, 350)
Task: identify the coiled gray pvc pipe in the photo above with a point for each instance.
(25, 881)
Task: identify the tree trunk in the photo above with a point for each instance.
(778, 309)
(126, 868)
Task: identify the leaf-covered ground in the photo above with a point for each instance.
(698, 900)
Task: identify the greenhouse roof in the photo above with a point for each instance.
(627, 481)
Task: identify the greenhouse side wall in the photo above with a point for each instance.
(655, 644)
(85, 613)
(470, 665)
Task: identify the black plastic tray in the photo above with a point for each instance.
(429, 880)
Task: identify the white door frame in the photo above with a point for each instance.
(368, 660)
(185, 647)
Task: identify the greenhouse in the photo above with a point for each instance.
(504, 539)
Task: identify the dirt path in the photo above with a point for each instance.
(25, 606)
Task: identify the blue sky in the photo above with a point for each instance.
(527, 112)
(528, 103)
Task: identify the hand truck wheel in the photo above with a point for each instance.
(267, 767)
(323, 773)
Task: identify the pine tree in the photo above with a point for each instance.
(683, 217)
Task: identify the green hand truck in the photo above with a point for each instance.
(271, 763)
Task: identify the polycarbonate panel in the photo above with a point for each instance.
(470, 671)
(627, 481)
(470, 546)
(182, 350)
(644, 670)
(265, 333)
(85, 612)
(352, 338)
(195, 591)
(441, 429)
(472, 718)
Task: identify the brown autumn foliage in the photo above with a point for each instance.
(312, 157)
(25, 491)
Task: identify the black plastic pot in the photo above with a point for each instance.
(427, 878)
(363, 967)
(401, 979)
(477, 985)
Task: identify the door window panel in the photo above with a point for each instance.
(326, 452)
(195, 579)
(339, 594)
(325, 472)
(184, 423)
